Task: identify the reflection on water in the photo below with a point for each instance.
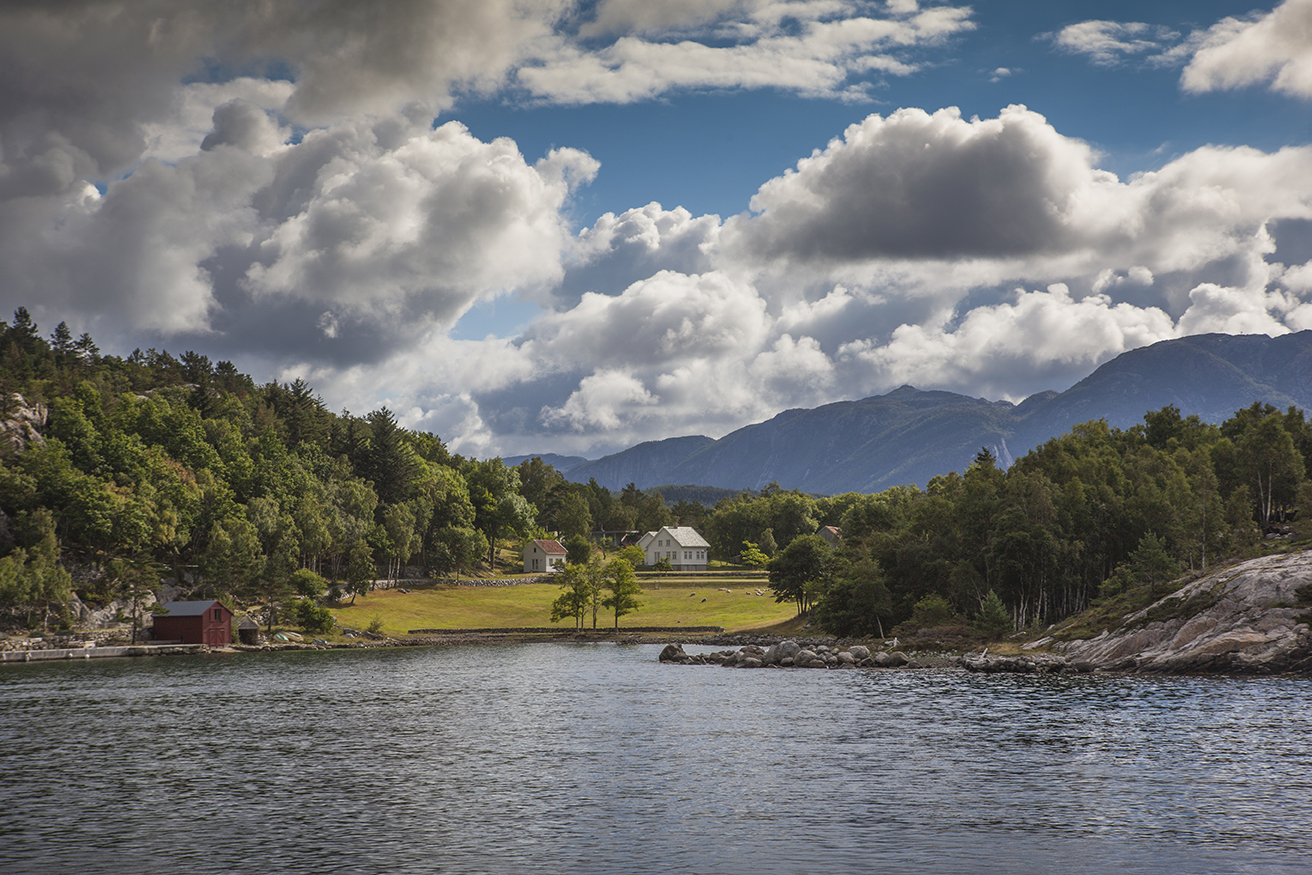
(596, 758)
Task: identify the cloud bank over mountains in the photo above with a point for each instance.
(266, 180)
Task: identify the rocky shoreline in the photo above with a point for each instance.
(792, 654)
(1248, 618)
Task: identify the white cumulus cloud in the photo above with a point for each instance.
(1275, 48)
(1261, 48)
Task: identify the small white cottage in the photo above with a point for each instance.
(541, 555)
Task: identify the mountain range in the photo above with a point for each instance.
(909, 435)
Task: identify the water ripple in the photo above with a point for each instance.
(595, 758)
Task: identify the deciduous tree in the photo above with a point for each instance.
(801, 571)
(622, 584)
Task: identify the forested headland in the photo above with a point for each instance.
(118, 471)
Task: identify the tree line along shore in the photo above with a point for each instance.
(119, 472)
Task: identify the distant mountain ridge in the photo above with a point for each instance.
(909, 436)
(559, 462)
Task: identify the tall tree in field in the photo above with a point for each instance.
(618, 578)
(801, 571)
(578, 584)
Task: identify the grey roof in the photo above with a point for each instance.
(190, 609)
(686, 536)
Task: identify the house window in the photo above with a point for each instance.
(218, 613)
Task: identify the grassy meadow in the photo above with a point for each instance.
(668, 601)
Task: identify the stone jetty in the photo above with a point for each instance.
(788, 654)
(1039, 663)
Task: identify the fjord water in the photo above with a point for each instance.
(596, 758)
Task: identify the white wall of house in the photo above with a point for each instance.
(539, 558)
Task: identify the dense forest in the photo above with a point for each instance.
(115, 472)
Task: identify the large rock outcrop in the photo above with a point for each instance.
(1244, 619)
(22, 423)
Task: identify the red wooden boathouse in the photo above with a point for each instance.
(203, 622)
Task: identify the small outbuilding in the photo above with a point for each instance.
(248, 631)
(833, 535)
(544, 555)
(200, 622)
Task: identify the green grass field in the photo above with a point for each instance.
(665, 603)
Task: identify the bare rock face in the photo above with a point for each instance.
(1244, 619)
(22, 424)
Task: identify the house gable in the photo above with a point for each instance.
(541, 555)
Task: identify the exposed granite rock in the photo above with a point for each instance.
(119, 611)
(1041, 663)
(1243, 619)
(22, 424)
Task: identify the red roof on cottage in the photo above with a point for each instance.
(551, 547)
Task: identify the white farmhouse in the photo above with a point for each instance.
(541, 555)
(686, 550)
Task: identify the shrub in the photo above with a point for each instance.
(312, 617)
(308, 584)
(931, 611)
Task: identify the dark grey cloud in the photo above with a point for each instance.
(921, 186)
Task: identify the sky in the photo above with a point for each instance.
(535, 226)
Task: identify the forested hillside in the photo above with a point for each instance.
(1093, 514)
(129, 469)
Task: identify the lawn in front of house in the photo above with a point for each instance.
(672, 601)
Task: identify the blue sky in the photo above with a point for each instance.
(709, 152)
(568, 227)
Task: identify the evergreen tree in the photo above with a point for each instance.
(993, 619)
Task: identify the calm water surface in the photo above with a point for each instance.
(596, 758)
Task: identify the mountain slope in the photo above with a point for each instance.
(647, 464)
(1211, 375)
(852, 446)
(908, 436)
